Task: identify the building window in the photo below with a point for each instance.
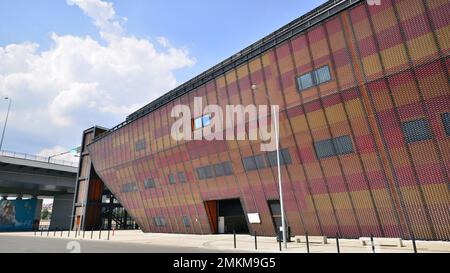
(313, 78)
(333, 147)
(446, 122)
(139, 145)
(416, 130)
(227, 168)
(181, 177)
(285, 158)
(186, 221)
(204, 173)
(149, 183)
(322, 75)
(260, 162)
(129, 187)
(202, 122)
(218, 169)
(249, 163)
(172, 179)
(160, 221)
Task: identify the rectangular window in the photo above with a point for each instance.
(181, 177)
(149, 183)
(285, 158)
(446, 122)
(313, 78)
(260, 162)
(249, 163)
(205, 172)
(305, 81)
(218, 169)
(343, 145)
(227, 168)
(160, 221)
(139, 145)
(172, 179)
(416, 130)
(322, 75)
(129, 187)
(202, 122)
(186, 221)
(333, 147)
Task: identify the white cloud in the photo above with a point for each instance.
(79, 82)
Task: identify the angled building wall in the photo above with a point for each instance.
(364, 110)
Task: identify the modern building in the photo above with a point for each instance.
(364, 100)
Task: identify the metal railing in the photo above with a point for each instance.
(38, 158)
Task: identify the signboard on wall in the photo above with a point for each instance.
(253, 218)
(18, 215)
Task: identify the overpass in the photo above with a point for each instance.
(35, 176)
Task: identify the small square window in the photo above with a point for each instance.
(186, 221)
(198, 123)
(172, 179)
(260, 162)
(446, 122)
(305, 81)
(181, 177)
(206, 120)
(322, 75)
(208, 172)
(416, 130)
(249, 163)
(218, 169)
(324, 148)
(343, 145)
(227, 168)
(149, 183)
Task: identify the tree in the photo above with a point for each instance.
(45, 214)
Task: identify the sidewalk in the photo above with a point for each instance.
(244, 243)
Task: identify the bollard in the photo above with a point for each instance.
(54, 232)
(414, 244)
(307, 242)
(35, 231)
(68, 233)
(234, 236)
(42, 231)
(108, 233)
(84, 231)
(62, 230)
(113, 231)
(76, 233)
(371, 241)
(48, 230)
(100, 233)
(337, 243)
(92, 232)
(256, 241)
(279, 243)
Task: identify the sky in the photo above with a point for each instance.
(70, 64)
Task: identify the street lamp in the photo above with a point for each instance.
(75, 150)
(6, 121)
(280, 187)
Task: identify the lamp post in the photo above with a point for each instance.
(71, 151)
(280, 187)
(6, 122)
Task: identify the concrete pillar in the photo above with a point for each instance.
(62, 211)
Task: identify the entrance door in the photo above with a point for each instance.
(226, 216)
(275, 210)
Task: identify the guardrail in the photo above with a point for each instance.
(38, 158)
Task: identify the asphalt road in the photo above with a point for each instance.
(18, 244)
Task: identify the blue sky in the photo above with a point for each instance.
(204, 32)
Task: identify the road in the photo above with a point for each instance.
(19, 244)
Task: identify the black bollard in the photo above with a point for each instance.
(84, 230)
(92, 232)
(42, 231)
(62, 230)
(279, 243)
(35, 231)
(307, 242)
(100, 234)
(68, 233)
(48, 230)
(337, 243)
(234, 237)
(256, 241)
(108, 233)
(371, 241)
(54, 232)
(414, 244)
(76, 233)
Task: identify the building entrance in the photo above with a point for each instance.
(226, 216)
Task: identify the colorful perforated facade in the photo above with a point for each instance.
(368, 149)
